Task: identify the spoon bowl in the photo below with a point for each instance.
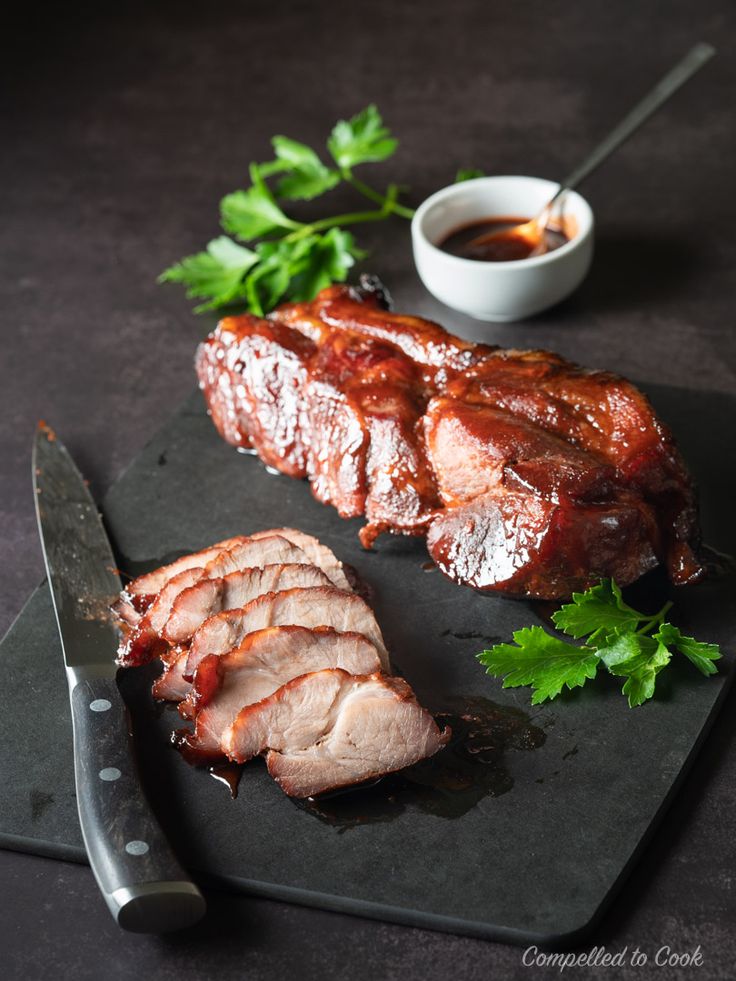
(531, 233)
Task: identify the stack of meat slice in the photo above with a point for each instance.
(528, 475)
(269, 651)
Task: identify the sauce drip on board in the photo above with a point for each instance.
(472, 766)
(228, 774)
(507, 248)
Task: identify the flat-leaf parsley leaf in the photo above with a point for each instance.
(290, 259)
(629, 644)
(361, 139)
(541, 660)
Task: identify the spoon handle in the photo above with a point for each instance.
(667, 86)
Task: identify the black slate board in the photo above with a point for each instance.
(536, 863)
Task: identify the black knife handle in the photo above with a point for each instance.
(142, 882)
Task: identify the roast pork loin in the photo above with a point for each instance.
(207, 597)
(265, 661)
(481, 449)
(147, 637)
(276, 659)
(330, 729)
(320, 606)
(142, 591)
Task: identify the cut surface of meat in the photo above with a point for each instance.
(404, 423)
(255, 553)
(317, 553)
(297, 673)
(330, 729)
(172, 686)
(125, 612)
(142, 591)
(146, 640)
(206, 597)
(265, 661)
(321, 606)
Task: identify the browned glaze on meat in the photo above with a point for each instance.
(436, 353)
(255, 372)
(529, 475)
(364, 401)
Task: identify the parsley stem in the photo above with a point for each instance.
(656, 619)
(350, 218)
(373, 195)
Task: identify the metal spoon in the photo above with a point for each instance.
(533, 231)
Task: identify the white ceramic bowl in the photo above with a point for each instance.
(500, 291)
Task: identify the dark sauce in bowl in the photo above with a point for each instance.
(508, 248)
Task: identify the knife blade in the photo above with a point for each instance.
(143, 884)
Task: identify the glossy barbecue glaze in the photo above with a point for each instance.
(256, 372)
(528, 474)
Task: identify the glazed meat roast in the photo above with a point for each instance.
(528, 475)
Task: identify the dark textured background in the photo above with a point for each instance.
(120, 131)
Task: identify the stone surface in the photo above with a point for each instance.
(510, 854)
(121, 130)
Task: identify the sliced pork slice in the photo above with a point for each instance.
(142, 591)
(206, 597)
(145, 641)
(321, 606)
(172, 686)
(265, 661)
(160, 610)
(317, 553)
(330, 729)
(255, 553)
(125, 612)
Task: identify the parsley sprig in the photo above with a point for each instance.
(285, 258)
(629, 644)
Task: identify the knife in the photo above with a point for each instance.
(142, 882)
